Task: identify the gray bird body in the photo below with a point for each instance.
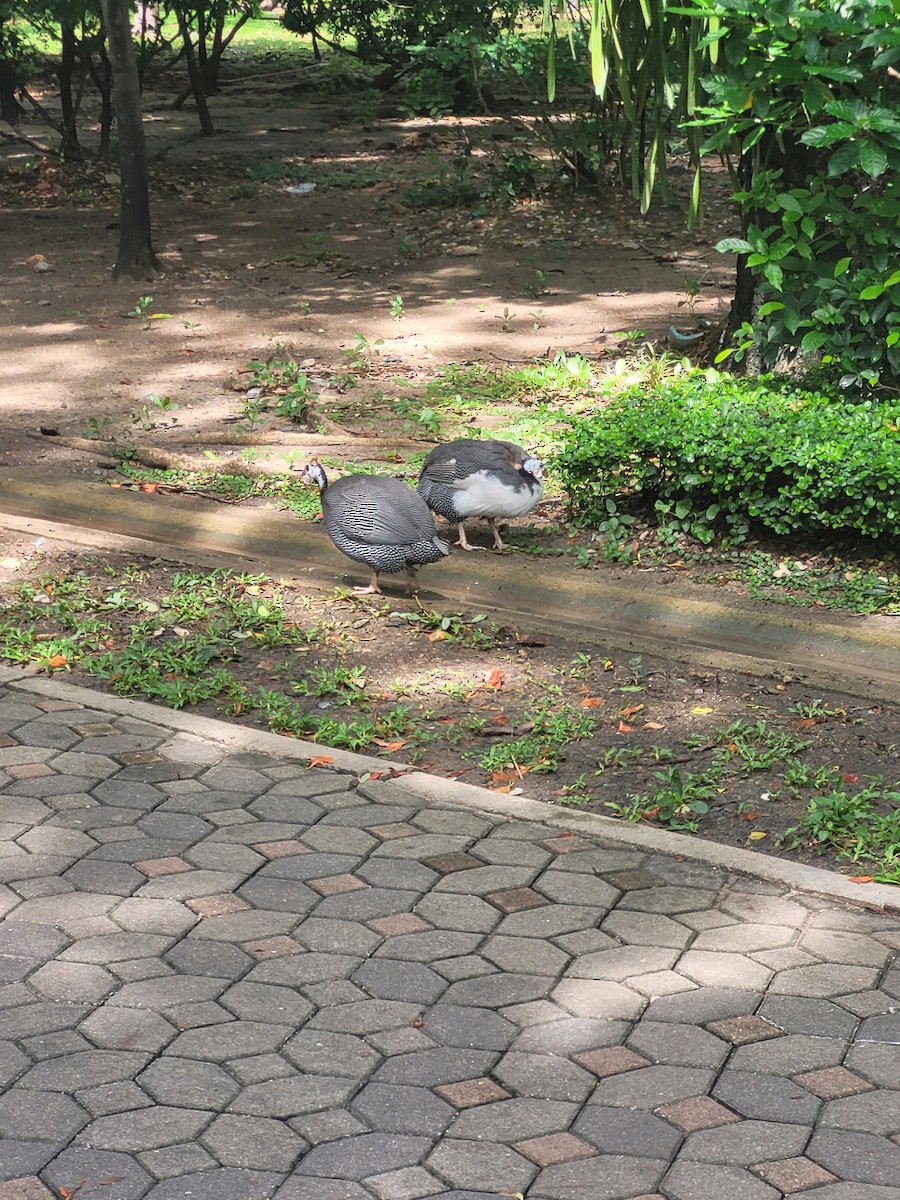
(481, 478)
(377, 521)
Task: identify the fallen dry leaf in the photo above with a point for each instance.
(653, 725)
(701, 710)
(439, 635)
(860, 878)
(58, 660)
(631, 710)
(391, 746)
(623, 728)
(495, 679)
(592, 702)
(805, 723)
(320, 760)
(756, 836)
(148, 487)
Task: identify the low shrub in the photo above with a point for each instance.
(711, 453)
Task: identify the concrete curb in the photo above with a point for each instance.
(814, 881)
(645, 613)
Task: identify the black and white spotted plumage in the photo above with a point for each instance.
(481, 478)
(377, 521)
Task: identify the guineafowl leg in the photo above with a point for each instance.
(372, 590)
(410, 580)
(499, 544)
(462, 540)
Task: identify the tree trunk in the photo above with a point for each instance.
(206, 125)
(10, 108)
(66, 73)
(135, 258)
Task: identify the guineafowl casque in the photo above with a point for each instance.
(377, 521)
(481, 478)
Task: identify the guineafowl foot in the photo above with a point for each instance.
(410, 581)
(499, 544)
(463, 542)
(372, 590)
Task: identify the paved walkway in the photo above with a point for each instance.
(225, 975)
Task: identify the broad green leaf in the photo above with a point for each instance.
(769, 307)
(872, 159)
(813, 340)
(840, 267)
(774, 274)
(734, 245)
(789, 203)
(844, 159)
(872, 292)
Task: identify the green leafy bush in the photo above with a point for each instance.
(714, 453)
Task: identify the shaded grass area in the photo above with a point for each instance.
(767, 765)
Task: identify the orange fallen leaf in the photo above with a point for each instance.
(631, 710)
(850, 778)
(805, 723)
(58, 660)
(391, 746)
(592, 702)
(495, 679)
(623, 728)
(439, 635)
(860, 878)
(500, 787)
(500, 719)
(148, 487)
(320, 760)
(747, 816)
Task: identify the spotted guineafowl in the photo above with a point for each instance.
(377, 521)
(481, 478)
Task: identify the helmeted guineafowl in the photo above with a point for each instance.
(481, 478)
(377, 521)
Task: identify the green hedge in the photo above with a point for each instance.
(720, 454)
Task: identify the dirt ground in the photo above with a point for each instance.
(249, 270)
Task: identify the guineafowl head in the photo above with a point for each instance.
(534, 467)
(314, 475)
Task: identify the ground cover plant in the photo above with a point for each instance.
(763, 763)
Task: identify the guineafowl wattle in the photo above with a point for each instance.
(481, 478)
(377, 521)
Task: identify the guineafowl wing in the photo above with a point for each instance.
(380, 512)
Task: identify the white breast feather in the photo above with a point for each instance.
(483, 495)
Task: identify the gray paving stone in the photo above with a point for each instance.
(54, 1045)
(337, 937)
(244, 1038)
(190, 884)
(366, 1016)
(258, 1067)
(327, 1125)
(801, 1014)
(20, 1158)
(40, 1018)
(255, 1143)
(678, 1045)
(702, 1181)
(334, 991)
(585, 941)
(126, 793)
(667, 899)
(858, 1157)
(307, 1188)
(879, 1029)
(62, 911)
(432, 945)
(111, 1098)
(475, 1028)
(513, 1120)
(620, 1131)
(390, 1108)
(196, 957)
(500, 851)
(789, 1055)
(428, 1068)
(471, 1164)
(837, 946)
(187, 1083)
(153, 916)
(280, 1004)
(41, 942)
(497, 990)
(647, 929)
(872, 1112)
(651, 1087)
(13, 1063)
(606, 1177)
(570, 1035)
(745, 1143)
(169, 1161)
(532, 955)
(324, 1053)
(767, 1097)
(466, 914)
(466, 966)
(704, 1005)
(96, 1168)
(364, 1155)
(28, 1114)
(544, 1076)
(825, 980)
(116, 948)
(598, 998)
(274, 895)
(81, 983)
(367, 904)
(409, 1183)
(480, 881)
(305, 969)
(83, 1069)
(165, 993)
(144, 1129)
(397, 873)
(293, 1096)
(766, 910)
(875, 1062)
(719, 969)
(218, 1183)
(390, 980)
(855, 1191)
